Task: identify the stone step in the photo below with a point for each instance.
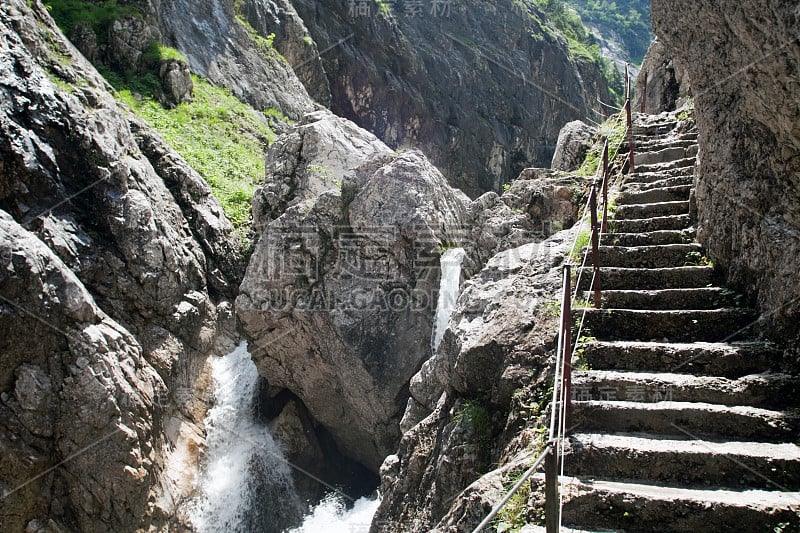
(685, 420)
(662, 209)
(767, 390)
(696, 298)
(637, 507)
(650, 278)
(700, 358)
(660, 256)
(641, 225)
(654, 195)
(653, 129)
(684, 462)
(648, 144)
(708, 325)
(664, 155)
(649, 177)
(650, 238)
(688, 162)
(675, 181)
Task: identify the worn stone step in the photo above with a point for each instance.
(766, 390)
(685, 163)
(646, 176)
(655, 195)
(701, 358)
(638, 507)
(648, 144)
(658, 128)
(710, 325)
(660, 256)
(634, 225)
(650, 238)
(674, 181)
(614, 278)
(693, 298)
(662, 209)
(667, 154)
(684, 462)
(684, 419)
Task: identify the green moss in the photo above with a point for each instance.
(218, 135)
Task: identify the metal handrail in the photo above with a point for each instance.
(561, 402)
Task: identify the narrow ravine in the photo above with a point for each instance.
(246, 483)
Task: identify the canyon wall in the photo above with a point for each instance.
(743, 60)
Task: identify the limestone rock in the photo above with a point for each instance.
(176, 81)
(339, 296)
(668, 85)
(129, 38)
(574, 141)
(742, 59)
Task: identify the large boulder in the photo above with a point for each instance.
(338, 299)
(743, 59)
(574, 141)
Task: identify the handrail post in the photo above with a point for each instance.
(595, 248)
(552, 502)
(605, 187)
(644, 94)
(631, 166)
(566, 328)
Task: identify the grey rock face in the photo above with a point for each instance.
(176, 81)
(482, 89)
(742, 58)
(461, 401)
(339, 294)
(115, 263)
(223, 50)
(668, 84)
(574, 141)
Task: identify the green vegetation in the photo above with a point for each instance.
(157, 53)
(581, 241)
(614, 130)
(515, 513)
(630, 19)
(474, 416)
(98, 15)
(218, 135)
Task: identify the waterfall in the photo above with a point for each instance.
(450, 265)
(246, 484)
(333, 516)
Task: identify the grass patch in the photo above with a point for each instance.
(581, 241)
(98, 15)
(474, 416)
(218, 135)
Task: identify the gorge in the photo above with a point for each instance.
(281, 265)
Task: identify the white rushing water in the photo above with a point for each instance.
(333, 516)
(450, 264)
(246, 485)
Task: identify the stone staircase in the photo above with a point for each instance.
(680, 425)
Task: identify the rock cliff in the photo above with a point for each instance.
(116, 266)
(482, 88)
(743, 59)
